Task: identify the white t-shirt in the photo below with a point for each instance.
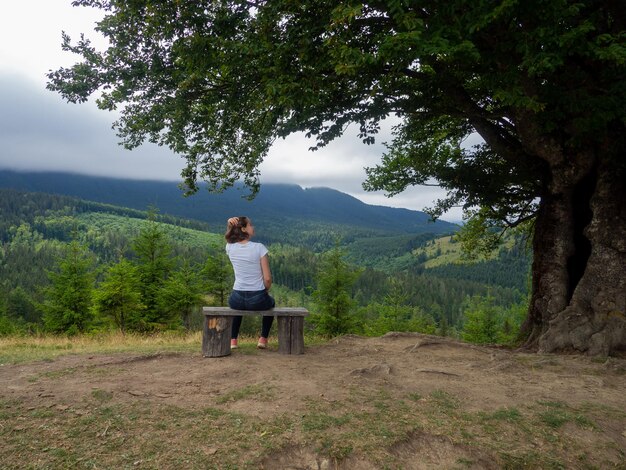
(246, 261)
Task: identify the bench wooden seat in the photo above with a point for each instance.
(219, 320)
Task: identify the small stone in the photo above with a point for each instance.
(137, 393)
(324, 464)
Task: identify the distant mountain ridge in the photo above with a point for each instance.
(275, 203)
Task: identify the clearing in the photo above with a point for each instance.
(401, 401)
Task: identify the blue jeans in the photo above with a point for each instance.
(251, 300)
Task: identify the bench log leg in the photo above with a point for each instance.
(216, 336)
(291, 335)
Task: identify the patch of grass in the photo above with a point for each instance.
(19, 349)
(101, 395)
(557, 414)
(529, 460)
(53, 374)
(444, 400)
(261, 392)
(511, 415)
(41, 413)
(414, 396)
(333, 449)
(322, 421)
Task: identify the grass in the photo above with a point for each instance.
(443, 251)
(260, 392)
(379, 422)
(17, 349)
(367, 422)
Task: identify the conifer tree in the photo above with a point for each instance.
(335, 306)
(20, 307)
(67, 305)
(152, 248)
(218, 273)
(482, 323)
(181, 293)
(6, 325)
(118, 296)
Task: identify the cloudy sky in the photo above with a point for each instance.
(39, 131)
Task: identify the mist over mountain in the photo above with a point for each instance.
(275, 203)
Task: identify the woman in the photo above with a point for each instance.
(253, 277)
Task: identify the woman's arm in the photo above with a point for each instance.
(267, 274)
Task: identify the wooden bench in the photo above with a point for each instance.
(219, 321)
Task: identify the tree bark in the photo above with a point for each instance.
(578, 299)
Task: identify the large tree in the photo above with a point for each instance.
(542, 82)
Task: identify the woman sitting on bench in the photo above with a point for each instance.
(253, 277)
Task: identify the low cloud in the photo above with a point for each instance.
(40, 132)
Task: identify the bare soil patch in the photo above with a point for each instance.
(399, 401)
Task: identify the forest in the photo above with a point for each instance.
(70, 266)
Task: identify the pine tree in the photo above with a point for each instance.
(482, 323)
(218, 273)
(20, 307)
(7, 327)
(118, 296)
(67, 305)
(152, 248)
(181, 293)
(334, 303)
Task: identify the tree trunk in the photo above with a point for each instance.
(578, 300)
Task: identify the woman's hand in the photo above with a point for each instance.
(233, 221)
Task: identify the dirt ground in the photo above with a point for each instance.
(480, 379)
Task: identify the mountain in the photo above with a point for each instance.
(276, 205)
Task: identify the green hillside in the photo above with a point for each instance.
(283, 213)
(420, 276)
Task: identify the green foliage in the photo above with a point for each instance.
(486, 323)
(380, 319)
(219, 276)
(446, 69)
(7, 326)
(397, 314)
(402, 296)
(294, 267)
(118, 296)
(335, 307)
(182, 292)
(481, 321)
(480, 236)
(20, 307)
(477, 236)
(152, 249)
(67, 308)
